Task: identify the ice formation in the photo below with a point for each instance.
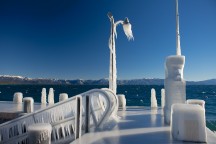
(127, 29)
(67, 117)
(112, 70)
(197, 102)
(175, 85)
(51, 96)
(43, 96)
(113, 34)
(162, 98)
(40, 133)
(63, 96)
(188, 123)
(122, 101)
(153, 98)
(18, 96)
(28, 105)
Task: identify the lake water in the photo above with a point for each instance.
(136, 95)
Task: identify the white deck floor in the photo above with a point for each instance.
(137, 125)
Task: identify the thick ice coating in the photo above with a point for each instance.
(175, 85)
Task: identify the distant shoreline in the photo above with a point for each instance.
(18, 80)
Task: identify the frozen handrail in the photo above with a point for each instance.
(66, 117)
(99, 109)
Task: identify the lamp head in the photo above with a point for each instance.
(126, 21)
(127, 29)
(109, 14)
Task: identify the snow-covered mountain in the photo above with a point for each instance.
(6, 79)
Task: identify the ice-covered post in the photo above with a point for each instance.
(113, 34)
(153, 98)
(28, 105)
(122, 101)
(175, 85)
(162, 98)
(63, 96)
(43, 96)
(51, 96)
(40, 133)
(18, 96)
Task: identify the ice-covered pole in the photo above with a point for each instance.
(174, 83)
(153, 98)
(28, 105)
(162, 98)
(51, 96)
(113, 34)
(178, 46)
(40, 133)
(43, 96)
(18, 96)
(63, 96)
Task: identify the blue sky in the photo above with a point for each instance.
(68, 39)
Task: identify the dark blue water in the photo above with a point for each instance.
(136, 95)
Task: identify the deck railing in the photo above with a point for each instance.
(69, 119)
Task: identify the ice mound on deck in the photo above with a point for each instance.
(188, 122)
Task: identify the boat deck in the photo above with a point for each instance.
(137, 125)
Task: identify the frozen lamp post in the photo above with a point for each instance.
(113, 34)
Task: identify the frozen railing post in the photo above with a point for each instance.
(63, 96)
(39, 133)
(122, 101)
(51, 96)
(153, 98)
(28, 105)
(18, 96)
(162, 98)
(43, 96)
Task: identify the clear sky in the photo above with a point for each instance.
(68, 39)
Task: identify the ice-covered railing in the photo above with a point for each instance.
(69, 119)
(99, 111)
